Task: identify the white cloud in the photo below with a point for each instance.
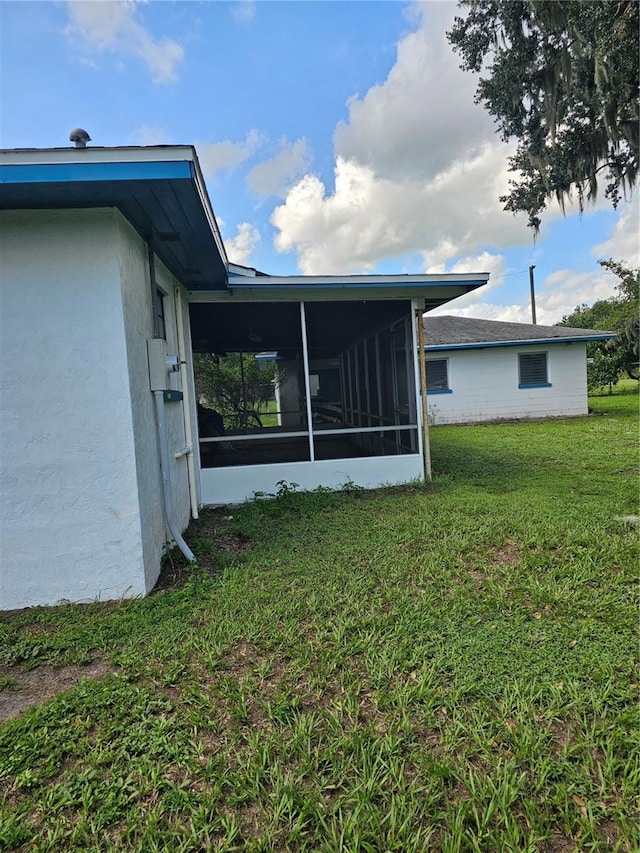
(273, 177)
(240, 247)
(563, 290)
(465, 306)
(560, 293)
(243, 11)
(88, 63)
(418, 168)
(421, 119)
(214, 156)
(368, 217)
(483, 262)
(109, 25)
(624, 244)
(150, 134)
(486, 311)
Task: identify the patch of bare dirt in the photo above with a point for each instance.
(477, 576)
(244, 658)
(612, 835)
(564, 739)
(37, 685)
(558, 843)
(508, 554)
(209, 537)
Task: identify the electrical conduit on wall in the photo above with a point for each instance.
(166, 477)
(186, 406)
(158, 372)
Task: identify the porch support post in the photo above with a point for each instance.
(422, 357)
(307, 381)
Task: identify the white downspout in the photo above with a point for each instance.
(186, 406)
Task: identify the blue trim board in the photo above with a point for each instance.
(585, 339)
(439, 391)
(78, 172)
(535, 385)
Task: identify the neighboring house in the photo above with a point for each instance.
(113, 273)
(485, 370)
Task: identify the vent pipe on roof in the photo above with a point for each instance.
(80, 137)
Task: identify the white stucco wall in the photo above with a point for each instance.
(68, 494)
(138, 327)
(484, 385)
(81, 503)
(138, 321)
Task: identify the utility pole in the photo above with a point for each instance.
(533, 294)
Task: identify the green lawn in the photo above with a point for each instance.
(451, 668)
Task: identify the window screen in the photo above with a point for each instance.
(159, 325)
(533, 368)
(437, 374)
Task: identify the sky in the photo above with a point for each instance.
(335, 137)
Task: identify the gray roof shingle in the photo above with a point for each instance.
(461, 331)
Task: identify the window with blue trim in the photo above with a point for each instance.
(533, 370)
(438, 374)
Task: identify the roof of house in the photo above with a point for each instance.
(160, 189)
(450, 332)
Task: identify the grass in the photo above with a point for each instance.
(269, 413)
(447, 668)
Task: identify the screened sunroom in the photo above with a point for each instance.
(315, 388)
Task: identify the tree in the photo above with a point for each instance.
(619, 313)
(603, 369)
(563, 82)
(236, 385)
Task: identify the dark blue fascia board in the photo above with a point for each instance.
(431, 391)
(545, 341)
(49, 173)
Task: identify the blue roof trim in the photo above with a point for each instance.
(49, 173)
(545, 341)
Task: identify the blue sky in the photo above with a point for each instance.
(335, 137)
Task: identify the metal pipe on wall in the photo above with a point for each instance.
(157, 388)
(186, 406)
(166, 477)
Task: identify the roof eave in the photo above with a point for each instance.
(113, 177)
(520, 343)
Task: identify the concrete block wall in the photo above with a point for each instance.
(484, 385)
